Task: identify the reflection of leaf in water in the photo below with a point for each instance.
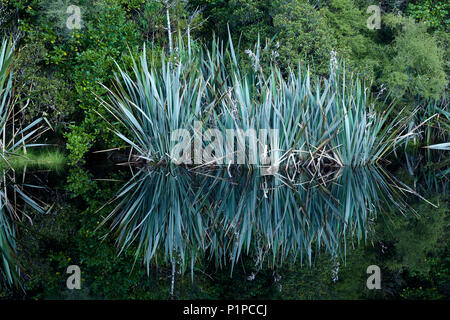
(184, 215)
(11, 211)
(7, 238)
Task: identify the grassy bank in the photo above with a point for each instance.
(50, 159)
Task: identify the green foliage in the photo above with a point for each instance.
(78, 143)
(6, 107)
(63, 68)
(42, 159)
(15, 136)
(152, 21)
(303, 36)
(47, 93)
(105, 39)
(245, 18)
(433, 12)
(353, 41)
(415, 66)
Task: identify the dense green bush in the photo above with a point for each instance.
(433, 12)
(415, 65)
(62, 68)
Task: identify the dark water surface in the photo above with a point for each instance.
(126, 227)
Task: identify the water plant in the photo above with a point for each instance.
(320, 122)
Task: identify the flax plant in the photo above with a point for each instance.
(321, 122)
(14, 141)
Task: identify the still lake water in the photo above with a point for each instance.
(188, 216)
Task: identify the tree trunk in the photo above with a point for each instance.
(169, 30)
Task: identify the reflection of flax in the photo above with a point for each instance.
(12, 211)
(202, 213)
